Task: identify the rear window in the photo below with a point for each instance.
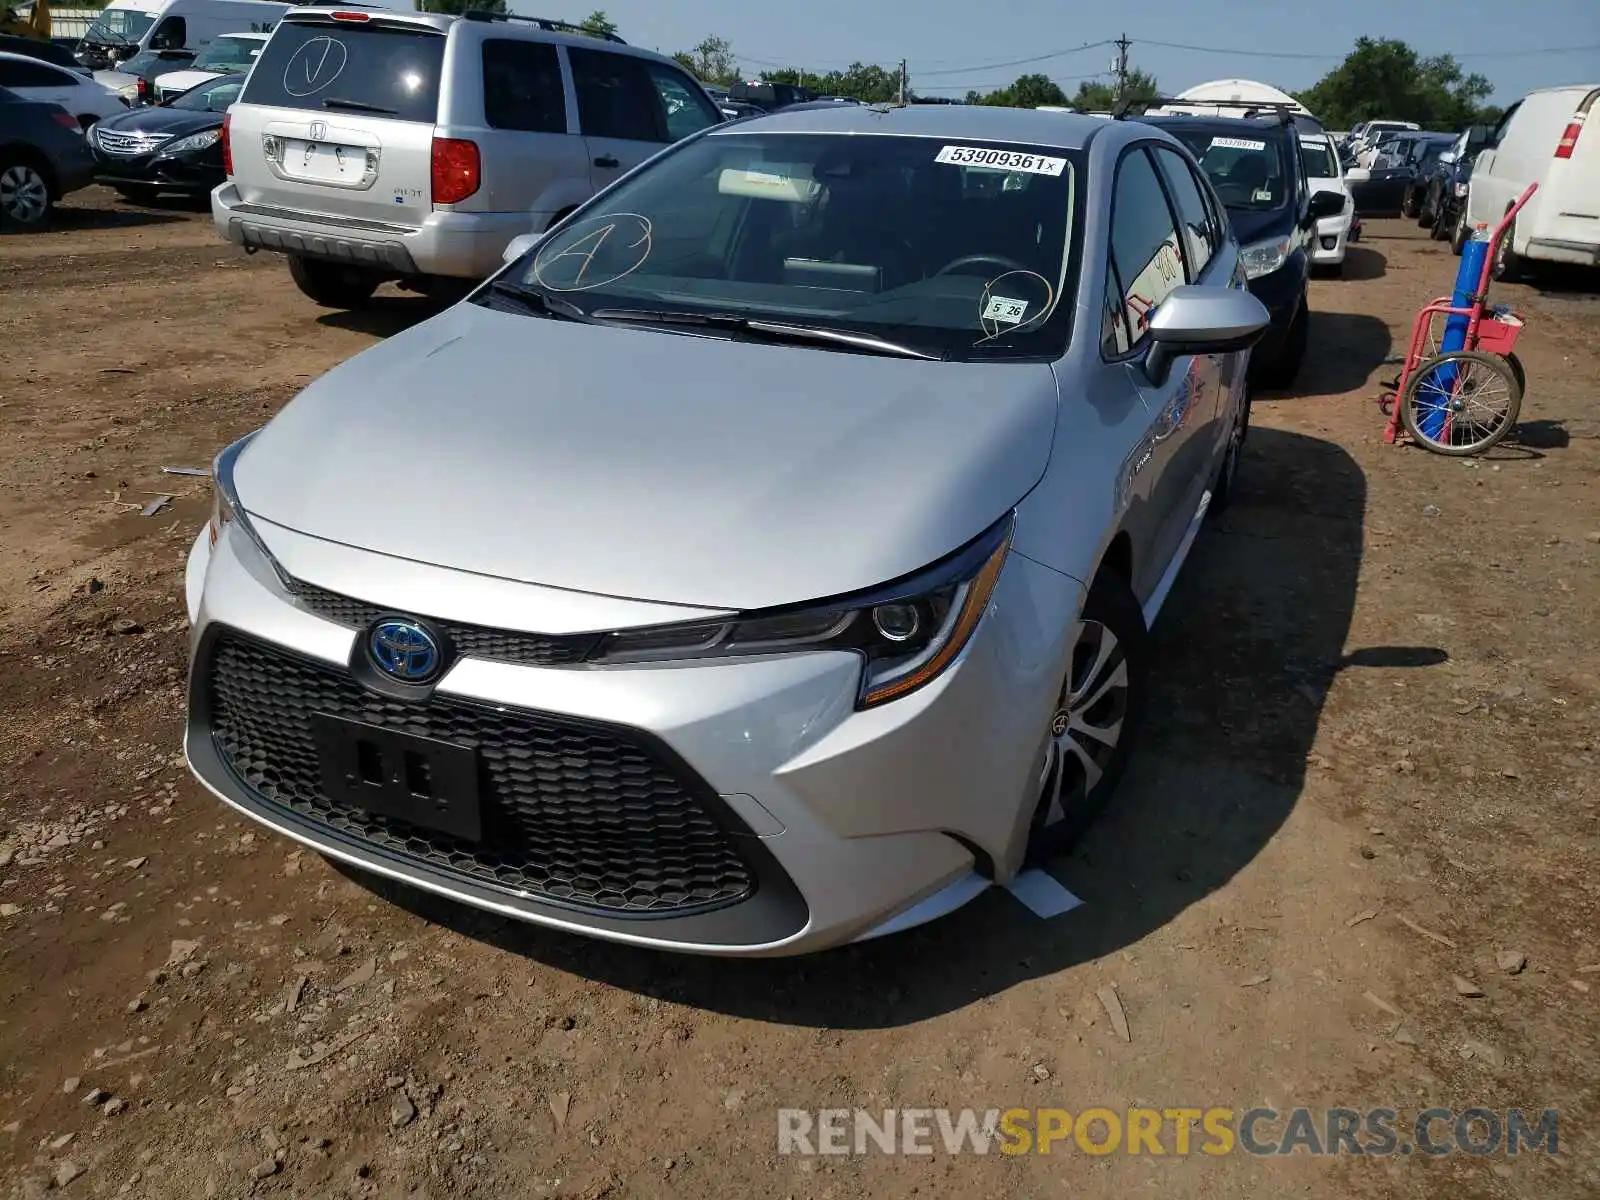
(346, 68)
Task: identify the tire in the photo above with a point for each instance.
(1408, 203)
(1280, 373)
(330, 284)
(1440, 229)
(1227, 474)
(1483, 371)
(1106, 688)
(1458, 235)
(25, 194)
(1521, 375)
(1425, 210)
(1509, 266)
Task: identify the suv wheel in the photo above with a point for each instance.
(1096, 719)
(1280, 373)
(24, 194)
(332, 285)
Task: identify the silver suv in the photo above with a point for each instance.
(371, 146)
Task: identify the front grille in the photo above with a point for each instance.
(472, 641)
(129, 145)
(581, 815)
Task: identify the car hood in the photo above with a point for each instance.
(174, 121)
(656, 466)
(1253, 225)
(182, 81)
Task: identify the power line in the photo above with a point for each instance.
(1016, 62)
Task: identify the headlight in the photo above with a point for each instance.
(195, 141)
(906, 632)
(1461, 190)
(225, 507)
(1263, 258)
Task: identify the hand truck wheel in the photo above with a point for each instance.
(1461, 403)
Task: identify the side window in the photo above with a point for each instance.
(1114, 340)
(1144, 241)
(1499, 133)
(685, 110)
(35, 75)
(615, 97)
(522, 86)
(1200, 237)
(172, 34)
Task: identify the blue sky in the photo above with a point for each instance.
(945, 35)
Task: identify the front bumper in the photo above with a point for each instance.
(1328, 247)
(462, 245)
(195, 173)
(850, 823)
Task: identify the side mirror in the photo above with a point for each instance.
(1326, 204)
(1198, 319)
(520, 245)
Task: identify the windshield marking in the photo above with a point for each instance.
(1003, 326)
(981, 158)
(588, 246)
(1233, 143)
(320, 61)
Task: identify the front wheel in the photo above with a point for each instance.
(1095, 720)
(1461, 403)
(1458, 236)
(332, 285)
(24, 195)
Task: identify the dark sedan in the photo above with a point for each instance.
(42, 158)
(1388, 186)
(171, 147)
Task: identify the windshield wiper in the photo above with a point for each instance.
(782, 331)
(537, 301)
(358, 106)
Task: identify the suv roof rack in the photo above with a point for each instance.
(1284, 111)
(548, 24)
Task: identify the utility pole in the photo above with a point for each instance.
(1122, 45)
(902, 99)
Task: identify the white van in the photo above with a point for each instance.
(125, 27)
(1539, 140)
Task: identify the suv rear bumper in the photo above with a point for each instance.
(461, 244)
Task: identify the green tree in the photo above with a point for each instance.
(598, 24)
(457, 7)
(711, 61)
(1094, 95)
(1030, 91)
(866, 82)
(1384, 77)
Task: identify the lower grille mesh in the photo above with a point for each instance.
(571, 813)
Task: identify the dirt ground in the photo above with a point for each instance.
(1372, 770)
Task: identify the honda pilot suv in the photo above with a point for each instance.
(372, 146)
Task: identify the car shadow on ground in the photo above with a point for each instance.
(1362, 263)
(386, 315)
(1345, 348)
(66, 219)
(1249, 642)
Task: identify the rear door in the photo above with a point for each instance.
(531, 162)
(338, 118)
(630, 107)
(1570, 208)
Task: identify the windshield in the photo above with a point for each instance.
(229, 54)
(148, 60)
(119, 26)
(959, 250)
(320, 65)
(1246, 169)
(1317, 161)
(213, 96)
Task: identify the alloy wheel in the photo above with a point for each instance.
(24, 197)
(1086, 727)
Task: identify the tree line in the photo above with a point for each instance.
(1380, 77)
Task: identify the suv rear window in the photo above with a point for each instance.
(347, 68)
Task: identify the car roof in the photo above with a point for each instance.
(1063, 131)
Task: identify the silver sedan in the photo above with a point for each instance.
(763, 559)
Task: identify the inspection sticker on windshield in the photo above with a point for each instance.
(1003, 308)
(984, 159)
(1228, 143)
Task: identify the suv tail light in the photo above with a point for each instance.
(1569, 139)
(227, 146)
(456, 169)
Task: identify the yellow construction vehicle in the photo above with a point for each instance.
(36, 24)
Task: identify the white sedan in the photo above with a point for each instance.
(1320, 161)
(226, 55)
(81, 96)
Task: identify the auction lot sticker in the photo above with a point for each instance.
(1000, 160)
(1231, 143)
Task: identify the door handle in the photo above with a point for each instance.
(607, 160)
